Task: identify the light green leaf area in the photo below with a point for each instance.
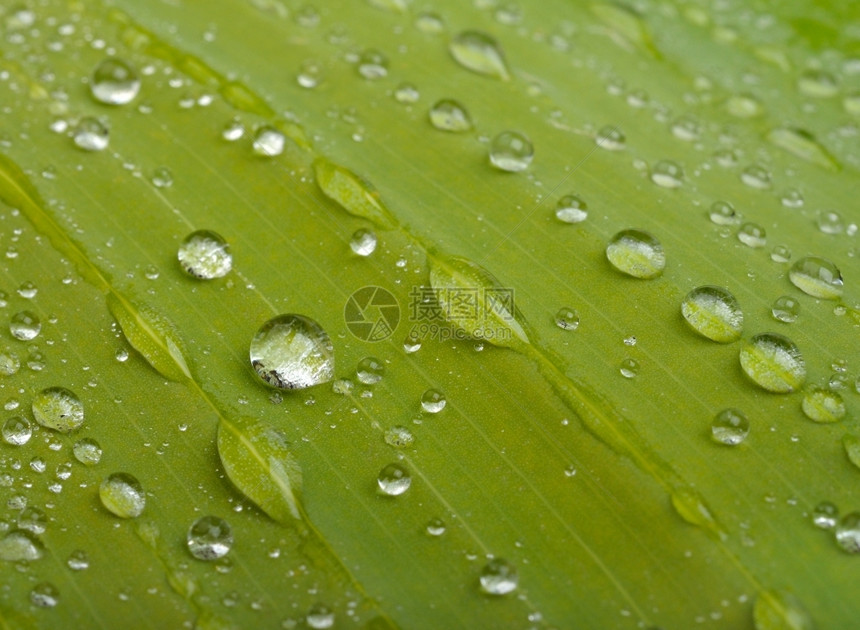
(582, 457)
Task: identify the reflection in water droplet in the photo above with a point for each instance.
(610, 138)
(714, 313)
(511, 151)
(723, 213)
(20, 545)
(450, 115)
(433, 401)
(363, 242)
(848, 533)
(205, 255)
(91, 135)
(370, 370)
(730, 427)
(773, 362)
(756, 176)
(59, 409)
(785, 309)
(209, 538)
(122, 494)
(567, 318)
(115, 82)
(393, 480)
(752, 235)
(629, 368)
(823, 405)
(268, 141)
(292, 352)
(45, 595)
(435, 527)
(817, 277)
(825, 515)
(25, 325)
(17, 431)
(667, 174)
(319, 617)
(571, 209)
(87, 451)
(372, 64)
(636, 253)
(499, 577)
(479, 52)
(27, 290)
(780, 254)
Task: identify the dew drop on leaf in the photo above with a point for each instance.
(209, 538)
(567, 318)
(205, 255)
(162, 177)
(233, 130)
(752, 235)
(479, 52)
(610, 138)
(773, 362)
(785, 309)
(115, 82)
(499, 577)
(730, 427)
(851, 443)
(122, 495)
(292, 352)
(636, 253)
(319, 617)
(723, 213)
(25, 325)
(802, 144)
(87, 451)
(820, 404)
(435, 527)
(268, 141)
(511, 151)
(848, 533)
(430, 23)
(780, 254)
(818, 84)
(78, 560)
(629, 368)
(433, 401)
(780, 610)
(825, 515)
(830, 222)
(817, 277)
(91, 134)
(756, 176)
(19, 544)
(393, 480)
(450, 115)
(370, 370)
(355, 195)
(667, 174)
(363, 242)
(310, 74)
(373, 64)
(406, 93)
(571, 209)
(59, 409)
(17, 431)
(45, 595)
(399, 437)
(713, 312)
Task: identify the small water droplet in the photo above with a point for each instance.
(372, 64)
(825, 515)
(162, 177)
(393, 480)
(499, 577)
(17, 431)
(233, 130)
(310, 74)
(780, 254)
(363, 242)
(629, 368)
(821, 404)
(435, 527)
(399, 437)
(817, 277)
(785, 309)
(320, 617)
(479, 52)
(78, 560)
(122, 495)
(406, 93)
(723, 213)
(412, 343)
(115, 82)
(450, 115)
(59, 409)
(87, 451)
(91, 134)
(636, 253)
(45, 595)
(667, 174)
(848, 533)
(25, 325)
(433, 401)
(687, 128)
(752, 235)
(370, 370)
(567, 318)
(268, 141)
(714, 313)
(730, 427)
(792, 198)
(292, 352)
(209, 538)
(818, 84)
(773, 362)
(205, 255)
(830, 222)
(511, 151)
(27, 290)
(610, 138)
(756, 176)
(571, 209)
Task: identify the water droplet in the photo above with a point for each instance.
(372, 64)
(233, 130)
(115, 82)
(363, 242)
(817, 277)
(818, 84)
(730, 427)
(25, 325)
(792, 198)
(33, 520)
(435, 527)
(399, 437)
(450, 115)
(499, 577)
(87, 451)
(743, 106)
(292, 352)
(209, 538)
(773, 362)
(714, 313)
(162, 177)
(756, 176)
(825, 515)
(567, 318)
(629, 368)
(9, 363)
(804, 145)
(370, 370)
(268, 141)
(91, 134)
(433, 401)
(406, 93)
(429, 22)
(17, 431)
(393, 480)
(723, 213)
(848, 533)
(59, 409)
(571, 209)
(636, 253)
(511, 151)
(687, 128)
(19, 545)
(320, 617)
(342, 386)
(479, 52)
(205, 255)
(44, 595)
(785, 309)
(727, 158)
(27, 290)
(310, 74)
(752, 235)
(122, 494)
(610, 138)
(78, 560)
(667, 174)
(780, 254)
(830, 222)
(821, 404)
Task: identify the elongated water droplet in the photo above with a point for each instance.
(393, 480)
(825, 515)
(17, 431)
(730, 427)
(209, 538)
(115, 82)
(122, 495)
(636, 253)
(714, 313)
(567, 318)
(511, 151)
(59, 409)
(433, 401)
(479, 52)
(499, 577)
(354, 194)
(817, 277)
(91, 134)
(803, 144)
(785, 309)
(571, 209)
(752, 235)
(25, 325)
(723, 213)
(19, 544)
(370, 370)
(363, 242)
(450, 115)
(823, 405)
(205, 255)
(780, 610)
(667, 174)
(87, 451)
(773, 362)
(848, 533)
(292, 352)
(268, 141)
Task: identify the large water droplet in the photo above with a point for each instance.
(820, 404)
(636, 253)
(59, 409)
(499, 577)
(25, 325)
(17, 431)
(205, 254)
(567, 318)
(292, 352)
(848, 533)
(479, 52)
(450, 115)
(773, 362)
(825, 515)
(730, 427)
(393, 480)
(714, 313)
(122, 494)
(91, 134)
(209, 538)
(433, 401)
(571, 209)
(817, 277)
(115, 82)
(363, 242)
(511, 151)
(45, 595)
(752, 235)
(20, 544)
(667, 174)
(87, 451)
(785, 309)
